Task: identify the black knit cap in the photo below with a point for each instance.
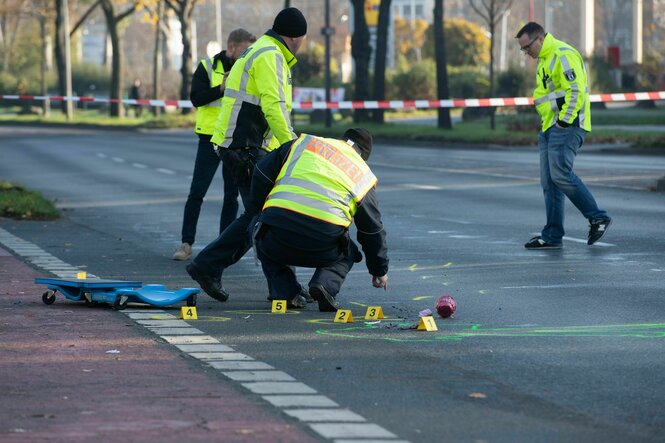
(362, 140)
(290, 23)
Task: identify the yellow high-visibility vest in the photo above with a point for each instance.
(257, 98)
(562, 89)
(206, 116)
(322, 178)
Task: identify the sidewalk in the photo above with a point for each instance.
(59, 384)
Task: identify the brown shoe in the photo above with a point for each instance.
(184, 252)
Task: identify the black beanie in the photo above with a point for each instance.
(362, 140)
(290, 23)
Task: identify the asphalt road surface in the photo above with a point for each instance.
(545, 346)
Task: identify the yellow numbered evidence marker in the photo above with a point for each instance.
(279, 306)
(344, 316)
(188, 313)
(81, 275)
(427, 324)
(374, 313)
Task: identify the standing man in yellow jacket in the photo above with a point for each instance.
(561, 98)
(254, 119)
(206, 93)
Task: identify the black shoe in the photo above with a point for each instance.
(297, 302)
(327, 302)
(208, 283)
(539, 243)
(305, 293)
(597, 228)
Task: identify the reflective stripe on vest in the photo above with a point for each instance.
(323, 179)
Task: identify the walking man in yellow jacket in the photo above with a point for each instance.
(254, 119)
(561, 98)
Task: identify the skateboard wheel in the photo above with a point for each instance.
(48, 297)
(191, 300)
(120, 303)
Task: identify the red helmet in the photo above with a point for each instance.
(446, 306)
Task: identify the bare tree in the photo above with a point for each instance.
(184, 10)
(491, 12)
(380, 59)
(360, 51)
(113, 20)
(441, 65)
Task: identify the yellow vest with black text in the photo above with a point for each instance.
(257, 99)
(322, 178)
(562, 88)
(206, 116)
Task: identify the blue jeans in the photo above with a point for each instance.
(205, 167)
(558, 148)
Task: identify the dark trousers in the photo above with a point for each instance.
(278, 260)
(233, 242)
(205, 167)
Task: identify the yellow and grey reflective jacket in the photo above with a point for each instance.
(206, 115)
(562, 88)
(257, 99)
(322, 178)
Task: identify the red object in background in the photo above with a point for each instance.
(614, 56)
(446, 306)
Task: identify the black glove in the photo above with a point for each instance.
(240, 162)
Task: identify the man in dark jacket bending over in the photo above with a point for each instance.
(308, 192)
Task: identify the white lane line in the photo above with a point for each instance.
(316, 415)
(220, 356)
(176, 331)
(351, 430)
(210, 347)
(580, 240)
(372, 440)
(101, 155)
(165, 171)
(240, 365)
(139, 165)
(143, 316)
(259, 376)
(118, 159)
(307, 401)
(186, 340)
(164, 323)
(270, 387)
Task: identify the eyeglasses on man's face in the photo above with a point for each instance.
(526, 47)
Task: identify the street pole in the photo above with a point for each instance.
(327, 32)
(68, 63)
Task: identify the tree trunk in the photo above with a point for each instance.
(60, 51)
(380, 59)
(185, 16)
(116, 109)
(443, 114)
(157, 59)
(360, 51)
(491, 94)
(46, 104)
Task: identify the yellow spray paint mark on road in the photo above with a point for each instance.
(483, 291)
(422, 297)
(358, 304)
(416, 267)
(413, 267)
(214, 318)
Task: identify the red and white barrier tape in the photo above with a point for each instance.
(371, 104)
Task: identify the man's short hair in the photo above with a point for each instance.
(240, 36)
(532, 29)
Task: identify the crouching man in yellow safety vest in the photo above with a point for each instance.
(308, 192)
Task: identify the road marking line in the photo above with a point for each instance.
(175, 331)
(175, 323)
(165, 171)
(118, 159)
(289, 401)
(209, 347)
(353, 430)
(258, 376)
(186, 340)
(270, 387)
(231, 365)
(316, 415)
(139, 165)
(220, 356)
